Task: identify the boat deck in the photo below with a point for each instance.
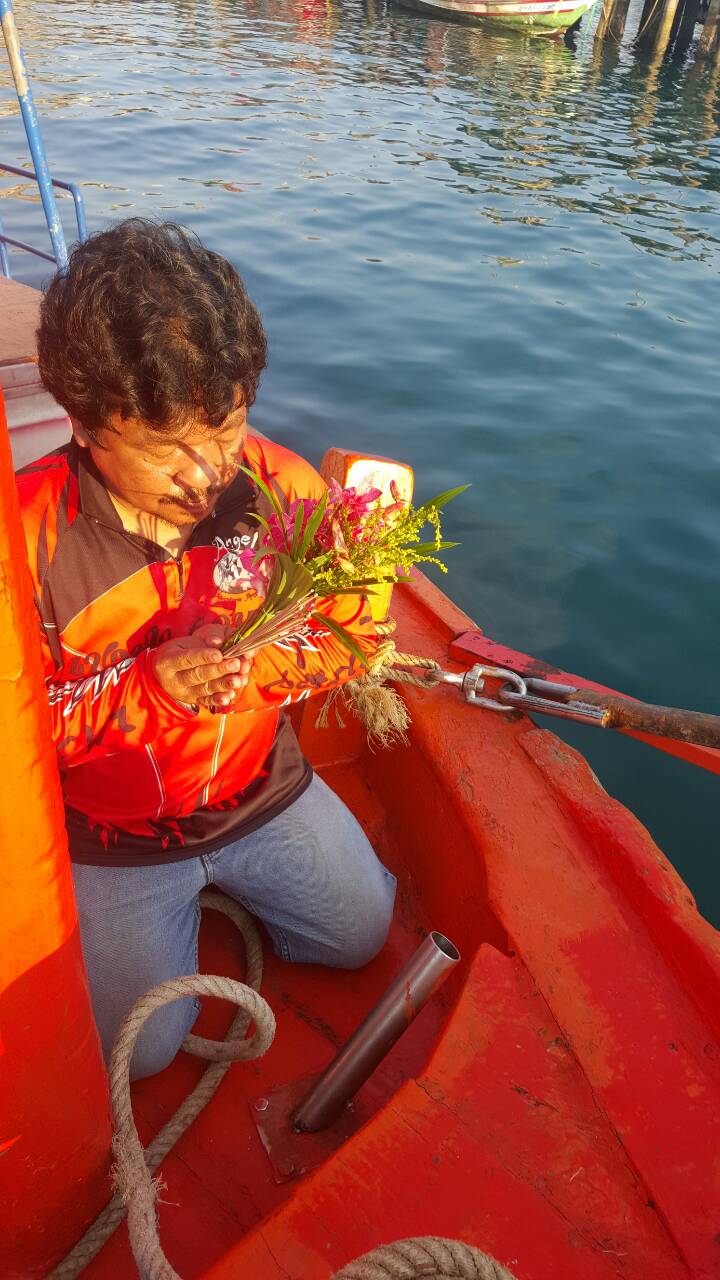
(554, 1106)
(495, 1138)
(19, 307)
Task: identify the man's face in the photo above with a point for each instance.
(176, 477)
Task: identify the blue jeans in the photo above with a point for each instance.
(310, 875)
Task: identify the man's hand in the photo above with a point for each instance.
(193, 669)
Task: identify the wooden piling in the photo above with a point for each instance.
(617, 26)
(684, 29)
(709, 42)
(656, 25)
(602, 27)
(612, 20)
(649, 21)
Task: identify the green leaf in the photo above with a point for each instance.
(264, 553)
(426, 546)
(319, 563)
(312, 526)
(442, 498)
(255, 515)
(357, 590)
(271, 497)
(343, 636)
(290, 582)
(297, 529)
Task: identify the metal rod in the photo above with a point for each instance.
(71, 187)
(611, 711)
(32, 129)
(579, 711)
(4, 259)
(21, 244)
(80, 218)
(549, 689)
(367, 1046)
(79, 204)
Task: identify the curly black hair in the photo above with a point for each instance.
(148, 323)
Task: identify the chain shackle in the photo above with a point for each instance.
(472, 684)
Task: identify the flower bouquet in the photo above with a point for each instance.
(342, 543)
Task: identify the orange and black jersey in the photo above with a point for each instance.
(144, 778)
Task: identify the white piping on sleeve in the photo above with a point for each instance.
(158, 775)
(216, 755)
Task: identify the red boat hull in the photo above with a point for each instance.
(556, 1104)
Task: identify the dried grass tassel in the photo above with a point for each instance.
(380, 707)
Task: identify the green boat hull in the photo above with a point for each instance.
(559, 18)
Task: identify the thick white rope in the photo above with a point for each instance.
(429, 1257)
(137, 1191)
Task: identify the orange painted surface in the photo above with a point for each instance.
(556, 1104)
(54, 1126)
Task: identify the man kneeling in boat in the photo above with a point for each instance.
(179, 766)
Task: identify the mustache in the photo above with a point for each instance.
(188, 498)
(197, 497)
(201, 497)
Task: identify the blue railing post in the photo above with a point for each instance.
(4, 259)
(32, 129)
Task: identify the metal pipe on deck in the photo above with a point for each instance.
(403, 1000)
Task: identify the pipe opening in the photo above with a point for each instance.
(445, 945)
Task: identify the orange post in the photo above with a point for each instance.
(54, 1116)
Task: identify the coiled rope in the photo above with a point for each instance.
(137, 1190)
(429, 1257)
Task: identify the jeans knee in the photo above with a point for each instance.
(347, 945)
(161, 1038)
(362, 946)
(362, 952)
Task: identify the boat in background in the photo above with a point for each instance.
(538, 17)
